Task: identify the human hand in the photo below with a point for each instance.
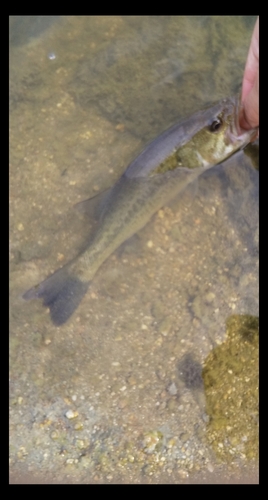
(249, 115)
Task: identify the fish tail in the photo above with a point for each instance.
(61, 292)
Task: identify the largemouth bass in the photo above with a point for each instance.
(161, 171)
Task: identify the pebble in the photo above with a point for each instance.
(210, 468)
(54, 434)
(165, 325)
(81, 444)
(71, 414)
(210, 297)
(79, 426)
(172, 389)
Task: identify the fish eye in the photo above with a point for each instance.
(215, 125)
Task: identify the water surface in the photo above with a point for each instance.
(86, 95)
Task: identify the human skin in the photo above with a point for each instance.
(249, 117)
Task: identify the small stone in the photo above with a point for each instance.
(69, 461)
(78, 426)
(184, 437)
(120, 127)
(172, 389)
(209, 297)
(71, 414)
(81, 444)
(165, 325)
(210, 467)
(54, 434)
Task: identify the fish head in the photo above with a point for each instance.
(201, 141)
(221, 136)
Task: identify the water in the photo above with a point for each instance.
(86, 94)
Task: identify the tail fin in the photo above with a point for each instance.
(61, 293)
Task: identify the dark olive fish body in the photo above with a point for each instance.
(161, 171)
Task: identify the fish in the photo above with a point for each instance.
(162, 170)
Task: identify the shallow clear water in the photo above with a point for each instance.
(86, 95)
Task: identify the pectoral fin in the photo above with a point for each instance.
(93, 206)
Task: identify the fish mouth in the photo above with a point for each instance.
(235, 133)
